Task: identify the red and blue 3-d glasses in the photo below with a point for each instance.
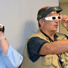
(53, 18)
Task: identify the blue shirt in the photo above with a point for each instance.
(12, 60)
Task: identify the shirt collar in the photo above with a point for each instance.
(55, 37)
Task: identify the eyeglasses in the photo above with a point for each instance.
(53, 18)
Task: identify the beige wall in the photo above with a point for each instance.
(64, 6)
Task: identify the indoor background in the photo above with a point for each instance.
(19, 19)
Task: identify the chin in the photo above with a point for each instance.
(54, 30)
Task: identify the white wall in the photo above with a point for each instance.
(19, 19)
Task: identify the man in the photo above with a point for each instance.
(46, 48)
(9, 57)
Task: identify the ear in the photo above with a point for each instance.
(41, 22)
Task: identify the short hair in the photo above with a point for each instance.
(41, 11)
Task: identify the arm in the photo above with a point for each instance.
(4, 45)
(12, 59)
(3, 42)
(10, 56)
(56, 47)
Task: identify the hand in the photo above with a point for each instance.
(65, 21)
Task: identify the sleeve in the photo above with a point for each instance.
(33, 46)
(13, 59)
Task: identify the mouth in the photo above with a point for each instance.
(56, 25)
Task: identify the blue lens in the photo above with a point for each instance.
(53, 18)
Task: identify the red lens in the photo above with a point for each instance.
(59, 17)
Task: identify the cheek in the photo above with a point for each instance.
(49, 24)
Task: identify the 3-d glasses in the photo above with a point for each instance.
(45, 13)
(53, 18)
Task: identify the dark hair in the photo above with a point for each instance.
(41, 11)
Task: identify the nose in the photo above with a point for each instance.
(57, 21)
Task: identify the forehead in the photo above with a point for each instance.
(52, 13)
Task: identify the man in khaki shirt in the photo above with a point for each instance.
(46, 48)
